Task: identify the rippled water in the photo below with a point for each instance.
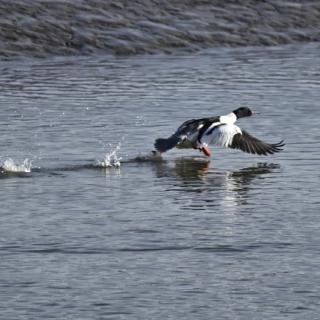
(234, 237)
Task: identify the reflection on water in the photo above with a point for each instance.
(206, 186)
(186, 169)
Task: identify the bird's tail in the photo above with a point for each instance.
(163, 145)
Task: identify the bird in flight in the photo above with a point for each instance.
(219, 131)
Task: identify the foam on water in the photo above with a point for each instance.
(9, 165)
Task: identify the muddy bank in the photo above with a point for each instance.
(42, 27)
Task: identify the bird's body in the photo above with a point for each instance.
(220, 131)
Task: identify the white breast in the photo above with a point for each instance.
(221, 135)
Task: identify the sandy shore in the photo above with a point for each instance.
(41, 27)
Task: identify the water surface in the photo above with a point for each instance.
(231, 237)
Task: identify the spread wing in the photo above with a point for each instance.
(195, 125)
(247, 143)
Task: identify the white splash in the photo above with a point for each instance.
(112, 160)
(10, 166)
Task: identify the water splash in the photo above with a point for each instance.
(9, 165)
(111, 160)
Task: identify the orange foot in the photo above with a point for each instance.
(206, 151)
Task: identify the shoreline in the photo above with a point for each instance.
(43, 28)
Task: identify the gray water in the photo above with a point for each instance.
(39, 28)
(231, 237)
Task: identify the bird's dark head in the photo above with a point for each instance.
(243, 112)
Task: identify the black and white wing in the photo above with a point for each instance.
(192, 126)
(247, 143)
(231, 136)
(189, 130)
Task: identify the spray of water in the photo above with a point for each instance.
(111, 160)
(9, 165)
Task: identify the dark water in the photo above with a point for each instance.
(40, 28)
(234, 237)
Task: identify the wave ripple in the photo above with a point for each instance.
(39, 28)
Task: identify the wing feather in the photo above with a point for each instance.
(189, 127)
(247, 143)
(186, 136)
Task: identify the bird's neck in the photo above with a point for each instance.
(229, 118)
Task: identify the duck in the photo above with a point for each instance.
(219, 131)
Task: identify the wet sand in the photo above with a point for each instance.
(40, 28)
